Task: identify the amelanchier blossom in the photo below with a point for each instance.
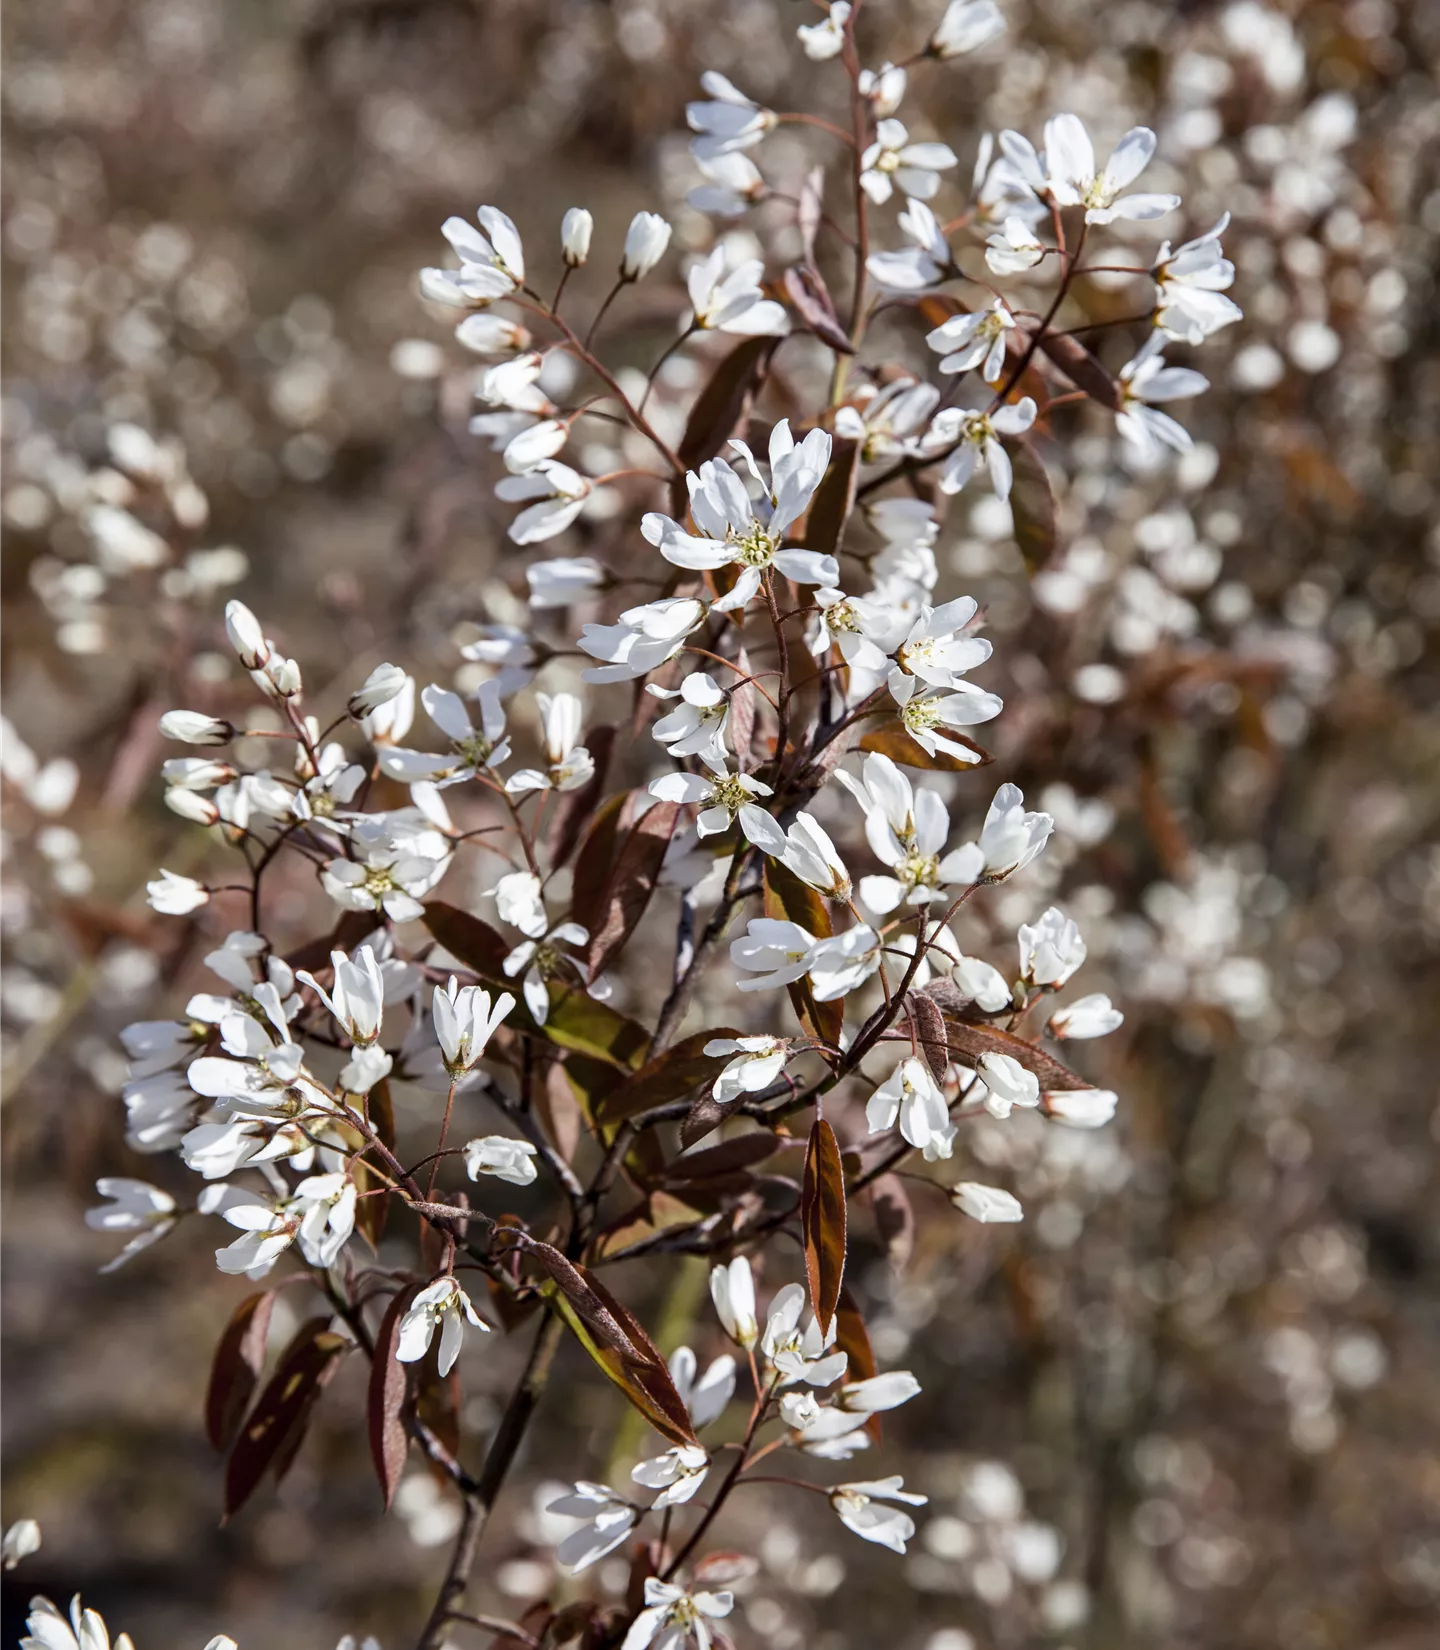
(756, 1063)
(576, 228)
(872, 1510)
(441, 1305)
(645, 243)
(1074, 181)
(965, 342)
(1080, 1108)
(465, 1021)
(1050, 949)
(727, 121)
(174, 895)
(892, 161)
(568, 764)
(492, 262)
(965, 27)
(705, 1396)
(974, 441)
(1190, 286)
(607, 1519)
(672, 1617)
(696, 727)
(1092, 1016)
(733, 302)
(1007, 1084)
(643, 639)
(676, 1474)
(987, 1204)
(1146, 379)
(501, 1156)
(1009, 839)
(732, 1288)
(723, 798)
(135, 1206)
(20, 1540)
(1013, 248)
(911, 1097)
(825, 39)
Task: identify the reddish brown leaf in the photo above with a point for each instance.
(853, 1339)
(631, 882)
(890, 738)
(834, 499)
(467, 937)
(810, 296)
(706, 1115)
(788, 899)
(740, 1153)
(681, 1068)
(1082, 369)
(385, 1411)
(235, 1369)
(559, 1110)
(822, 1219)
(574, 808)
(577, 1286)
(1032, 505)
(929, 1025)
(277, 1424)
(721, 404)
(596, 856)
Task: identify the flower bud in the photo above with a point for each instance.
(1081, 1108)
(535, 445)
(190, 727)
(492, 335)
(966, 26)
(575, 230)
(383, 684)
(645, 243)
(246, 636)
(192, 806)
(987, 1204)
(194, 773)
(175, 896)
(280, 676)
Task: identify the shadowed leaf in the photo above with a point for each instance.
(822, 1219)
(834, 499)
(596, 856)
(385, 1409)
(631, 882)
(1032, 504)
(790, 900)
(721, 404)
(668, 1076)
(1082, 369)
(235, 1369)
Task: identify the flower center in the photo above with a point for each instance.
(755, 548)
(889, 161)
(728, 793)
(476, 749)
(379, 882)
(921, 714)
(842, 616)
(919, 871)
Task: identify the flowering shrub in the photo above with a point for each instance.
(790, 638)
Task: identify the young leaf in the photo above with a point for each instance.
(385, 1410)
(929, 1024)
(573, 808)
(1081, 368)
(235, 1369)
(790, 900)
(822, 1219)
(277, 1424)
(631, 883)
(721, 404)
(596, 856)
(890, 738)
(805, 288)
(1032, 505)
(677, 1071)
(834, 499)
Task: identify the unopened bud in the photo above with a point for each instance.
(645, 243)
(192, 806)
(379, 688)
(246, 636)
(575, 230)
(192, 728)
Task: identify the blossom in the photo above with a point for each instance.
(576, 228)
(472, 749)
(1147, 379)
(384, 683)
(47, 1629)
(136, 1207)
(987, 1204)
(357, 997)
(21, 1539)
(1051, 949)
(842, 962)
(879, 1392)
(1073, 180)
(174, 895)
(1092, 1016)
(863, 1509)
(705, 1396)
(492, 262)
(560, 491)
(911, 1096)
(723, 798)
(975, 438)
(732, 1289)
(644, 639)
(677, 1474)
(728, 121)
(980, 984)
(892, 159)
(924, 263)
(563, 581)
(883, 88)
(696, 727)
(645, 243)
(539, 959)
(1080, 1108)
(1009, 839)
(492, 335)
(607, 1521)
(734, 302)
(1013, 248)
(966, 26)
(924, 714)
(826, 39)
(193, 727)
(387, 877)
(321, 1215)
(733, 185)
(443, 1305)
(974, 340)
(808, 852)
(757, 1062)
(937, 650)
(800, 1355)
(465, 1021)
(392, 720)
(885, 421)
(749, 532)
(906, 831)
(569, 764)
(502, 1156)
(1007, 1084)
(1190, 284)
(672, 1617)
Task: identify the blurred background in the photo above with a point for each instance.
(1191, 1401)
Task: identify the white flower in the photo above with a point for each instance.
(879, 1392)
(388, 877)
(1007, 1084)
(1009, 839)
(824, 40)
(886, 420)
(705, 1396)
(1147, 379)
(672, 1617)
(776, 951)
(1013, 248)
(843, 962)
(175, 896)
(758, 1062)
(538, 960)
(563, 581)
(561, 493)
(492, 262)
(733, 302)
(384, 683)
(246, 636)
(645, 243)
(733, 185)
(980, 984)
(465, 1021)
(677, 1474)
(812, 856)
(975, 340)
(883, 88)
(1081, 1108)
(492, 335)
(911, 1096)
(723, 799)
(696, 727)
(136, 1207)
(749, 532)
(924, 714)
(576, 228)
(1092, 1016)
(937, 650)
(472, 750)
(569, 764)
(47, 1629)
(607, 1521)
(1073, 180)
(1051, 949)
(443, 1305)
(892, 159)
(729, 121)
(644, 639)
(391, 721)
(863, 1510)
(966, 26)
(925, 262)
(529, 448)
(987, 1204)
(21, 1539)
(357, 997)
(1190, 284)
(519, 902)
(732, 1289)
(192, 727)
(976, 438)
(505, 1158)
(364, 1069)
(800, 1356)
